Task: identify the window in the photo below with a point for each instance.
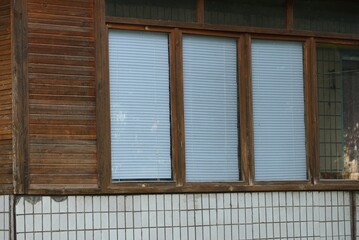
(338, 111)
(327, 15)
(184, 10)
(139, 105)
(255, 13)
(215, 95)
(278, 110)
(210, 108)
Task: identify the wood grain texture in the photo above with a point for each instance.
(62, 95)
(6, 181)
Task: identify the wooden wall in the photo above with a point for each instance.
(62, 101)
(5, 97)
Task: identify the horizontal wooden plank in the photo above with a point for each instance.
(61, 69)
(5, 112)
(6, 101)
(61, 158)
(62, 117)
(5, 129)
(63, 60)
(62, 10)
(5, 68)
(46, 28)
(6, 179)
(4, 85)
(61, 130)
(63, 102)
(5, 158)
(63, 189)
(5, 142)
(5, 59)
(5, 76)
(64, 20)
(5, 37)
(62, 148)
(62, 109)
(63, 169)
(5, 134)
(73, 3)
(4, 107)
(62, 136)
(65, 122)
(62, 77)
(62, 90)
(62, 83)
(5, 5)
(61, 50)
(63, 179)
(5, 169)
(4, 47)
(59, 141)
(6, 117)
(5, 92)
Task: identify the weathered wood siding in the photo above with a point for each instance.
(5, 97)
(62, 101)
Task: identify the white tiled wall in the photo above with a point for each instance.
(275, 215)
(4, 217)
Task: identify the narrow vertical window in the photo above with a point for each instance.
(139, 105)
(338, 111)
(278, 110)
(210, 104)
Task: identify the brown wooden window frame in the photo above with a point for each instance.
(244, 36)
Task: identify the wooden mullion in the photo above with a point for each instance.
(308, 110)
(200, 11)
(246, 56)
(20, 96)
(181, 179)
(173, 104)
(242, 106)
(289, 15)
(103, 100)
(314, 137)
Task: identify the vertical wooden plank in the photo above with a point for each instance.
(180, 111)
(102, 99)
(246, 56)
(173, 105)
(242, 106)
(200, 11)
(6, 166)
(307, 109)
(313, 109)
(290, 15)
(20, 96)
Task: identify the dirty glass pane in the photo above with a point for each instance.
(256, 13)
(327, 15)
(338, 111)
(184, 10)
(139, 105)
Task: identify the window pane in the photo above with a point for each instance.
(210, 103)
(278, 110)
(327, 15)
(256, 13)
(338, 110)
(184, 10)
(139, 105)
